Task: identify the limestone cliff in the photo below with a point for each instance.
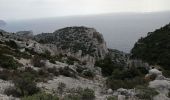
(81, 42)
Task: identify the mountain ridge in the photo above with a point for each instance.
(52, 65)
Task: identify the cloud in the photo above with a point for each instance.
(23, 9)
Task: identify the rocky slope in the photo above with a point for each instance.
(70, 64)
(81, 40)
(19, 52)
(154, 48)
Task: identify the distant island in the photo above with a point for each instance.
(2, 23)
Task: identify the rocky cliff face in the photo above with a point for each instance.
(154, 48)
(84, 43)
(81, 40)
(38, 58)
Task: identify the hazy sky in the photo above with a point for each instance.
(27, 9)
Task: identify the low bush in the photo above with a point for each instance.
(5, 74)
(88, 74)
(112, 98)
(88, 94)
(52, 61)
(12, 91)
(107, 65)
(146, 93)
(36, 61)
(8, 62)
(26, 85)
(61, 87)
(70, 60)
(72, 97)
(66, 71)
(80, 69)
(11, 43)
(24, 82)
(169, 94)
(127, 83)
(127, 78)
(80, 94)
(54, 71)
(6, 50)
(41, 96)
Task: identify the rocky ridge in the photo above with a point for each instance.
(65, 58)
(76, 41)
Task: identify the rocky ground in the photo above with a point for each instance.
(64, 72)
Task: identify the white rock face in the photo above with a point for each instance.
(96, 85)
(138, 63)
(4, 85)
(5, 97)
(109, 91)
(155, 72)
(80, 42)
(161, 85)
(161, 97)
(121, 97)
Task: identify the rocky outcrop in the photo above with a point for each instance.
(160, 84)
(138, 63)
(154, 48)
(81, 42)
(118, 57)
(25, 34)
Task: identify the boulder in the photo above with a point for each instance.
(109, 91)
(155, 72)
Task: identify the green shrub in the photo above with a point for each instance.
(24, 82)
(72, 97)
(26, 86)
(5, 74)
(52, 61)
(126, 83)
(80, 69)
(36, 61)
(61, 87)
(107, 65)
(112, 98)
(54, 71)
(146, 93)
(80, 94)
(12, 91)
(88, 94)
(5, 50)
(11, 43)
(154, 48)
(8, 62)
(88, 74)
(66, 71)
(169, 94)
(127, 78)
(41, 96)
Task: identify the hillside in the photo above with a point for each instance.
(154, 48)
(82, 40)
(73, 63)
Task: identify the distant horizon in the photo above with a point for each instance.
(86, 15)
(30, 9)
(120, 31)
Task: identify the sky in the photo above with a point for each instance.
(30, 9)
